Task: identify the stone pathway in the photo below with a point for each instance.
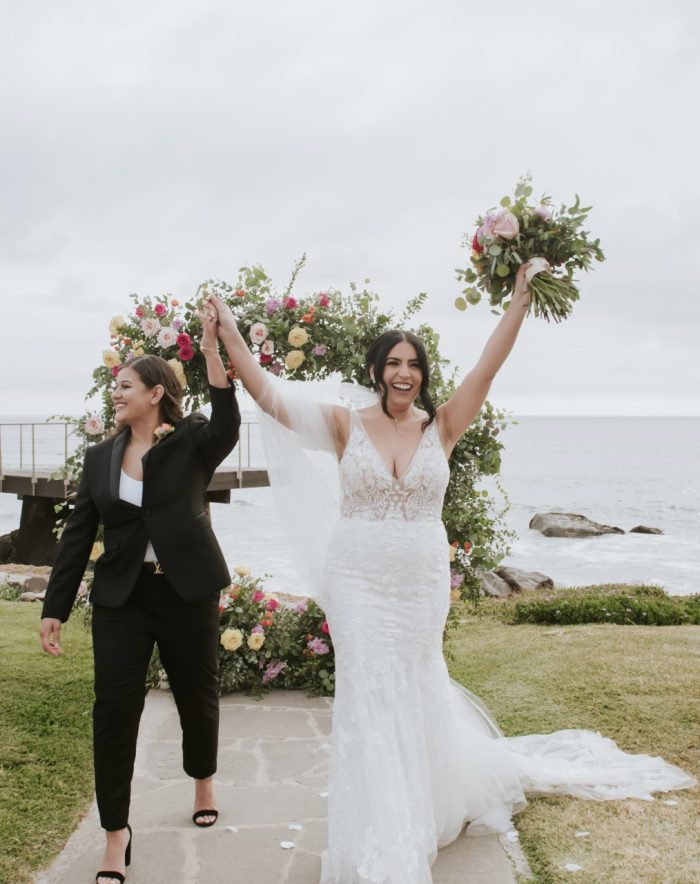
(271, 787)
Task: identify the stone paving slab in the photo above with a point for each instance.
(272, 775)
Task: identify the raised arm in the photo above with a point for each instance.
(455, 415)
(257, 382)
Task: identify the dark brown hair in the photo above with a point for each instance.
(153, 370)
(376, 358)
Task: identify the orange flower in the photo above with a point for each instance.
(308, 318)
(174, 303)
(239, 293)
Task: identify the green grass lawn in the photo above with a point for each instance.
(636, 684)
(45, 740)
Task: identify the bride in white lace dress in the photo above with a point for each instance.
(414, 756)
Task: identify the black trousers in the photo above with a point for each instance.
(187, 635)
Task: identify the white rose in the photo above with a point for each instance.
(150, 326)
(242, 571)
(115, 323)
(255, 641)
(167, 337)
(258, 332)
(94, 425)
(231, 639)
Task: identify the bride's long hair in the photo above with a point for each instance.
(376, 359)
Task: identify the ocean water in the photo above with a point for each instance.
(619, 471)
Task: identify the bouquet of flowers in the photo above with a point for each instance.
(522, 230)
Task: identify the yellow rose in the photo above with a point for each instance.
(138, 351)
(298, 336)
(176, 366)
(231, 639)
(294, 359)
(97, 549)
(242, 571)
(115, 323)
(255, 641)
(110, 358)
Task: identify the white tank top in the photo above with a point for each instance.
(131, 490)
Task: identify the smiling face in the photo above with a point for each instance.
(133, 400)
(402, 374)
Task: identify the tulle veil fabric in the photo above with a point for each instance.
(300, 444)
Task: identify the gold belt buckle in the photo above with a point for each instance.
(158, 569)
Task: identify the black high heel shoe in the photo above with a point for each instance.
(117, 876)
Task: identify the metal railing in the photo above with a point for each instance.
(27, 446)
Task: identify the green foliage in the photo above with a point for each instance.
(639, 605)
(10, 591)
(542, 231)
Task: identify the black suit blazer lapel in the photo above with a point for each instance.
(115, 466)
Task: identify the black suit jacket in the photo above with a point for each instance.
(174, 514)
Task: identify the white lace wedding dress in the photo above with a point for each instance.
(414, 756)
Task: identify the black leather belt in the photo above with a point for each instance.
(152, 568)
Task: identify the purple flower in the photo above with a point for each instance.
(272, 305)
(272, 671)
(276, 367)
(302, 606)
(318, 646)
(543, 212)
(177, 324)
(456, 579)
(320, 350)
(258, 628)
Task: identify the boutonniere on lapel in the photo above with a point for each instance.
(162, 431)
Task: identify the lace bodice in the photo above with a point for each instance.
(369, 491)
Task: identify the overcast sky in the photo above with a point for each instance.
(148, 145)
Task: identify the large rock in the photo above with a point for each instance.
(570, 525)
(519, 580)
(492, 584)
(7, 546)
(642, 529)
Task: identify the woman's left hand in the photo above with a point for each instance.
(521, 290)
(210, 328)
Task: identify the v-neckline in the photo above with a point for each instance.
(384, 463)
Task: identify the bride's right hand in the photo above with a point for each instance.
(224, 316)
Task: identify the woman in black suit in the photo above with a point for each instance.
(158, 580)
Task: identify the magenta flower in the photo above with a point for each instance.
(257, 596)
(272, 605)
(177, 324)
(272, 671)
(160, 309)
(456, 579)
(115, 370)
(319, 350)
(290, 303)
(184, 340)
(323, 300)
(318, 646)
(325, 627)
(276, 367)
(186, 353)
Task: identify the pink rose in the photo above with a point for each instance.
(139, 312)
(150, 326)
(325, 627)
(257, 596)
(506, 225)
(177, 324)
(183, 340)
(115, 370)
(319, 350)
(186, 353)
(94, 425)
(268, 348)
(167, 337)
(160, 309)
(302, 606)
(258, 332)
(265, 359)
(323, 300)
(289, 303)
(272, 605)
